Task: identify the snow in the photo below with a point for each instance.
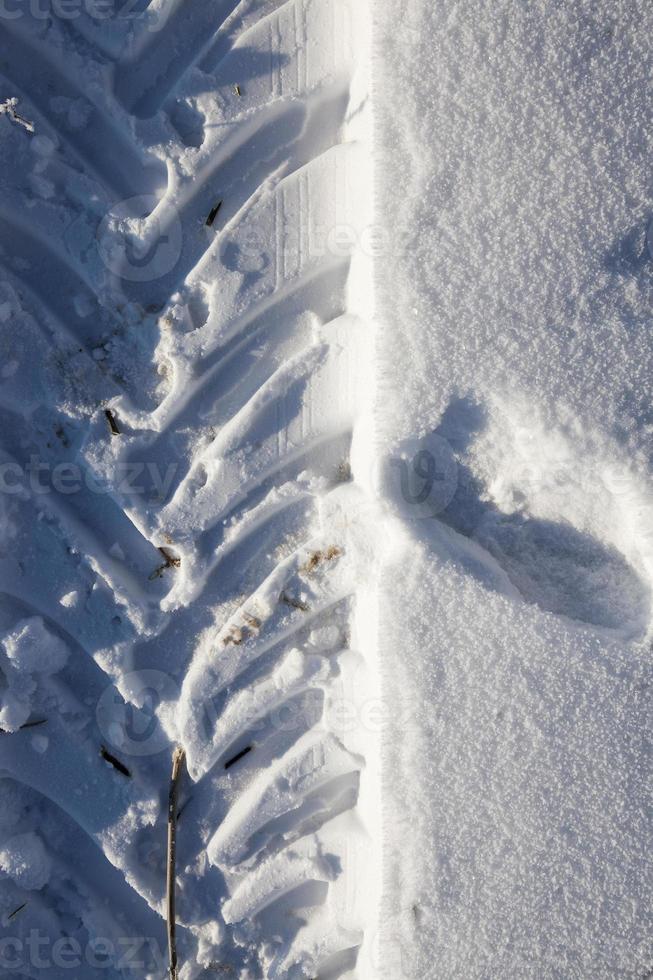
(30, 652)
(24, 859)
(514, 302)
(517, 805)
(31, 648)
(40, 743)
(325, 451)
(70, 599)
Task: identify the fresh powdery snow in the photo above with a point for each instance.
(515, 347)
(326, 516)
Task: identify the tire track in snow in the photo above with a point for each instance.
(97, 902)
(42, 259)
(257, 416)
(121, 165)
(228, 377)
(268, 148)
(146, 78)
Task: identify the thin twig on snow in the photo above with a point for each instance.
(177, 765)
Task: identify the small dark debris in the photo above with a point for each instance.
(116, 763)
(238, 634)
(344, 471)
(294, 603)
(111, 419)
(333, 551)
(223, 969)
(8, 107)
(235, 636)
(213, 214)
(171, 561)
(239, 755)
(61, 435)
(16, 911)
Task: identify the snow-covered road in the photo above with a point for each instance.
(325, 454)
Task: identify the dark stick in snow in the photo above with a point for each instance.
(239, 755)
(213, 213)
(177, 763)
(171, 561)
(116, 763)
(293, 602)
(28, 724)
(111, 419)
